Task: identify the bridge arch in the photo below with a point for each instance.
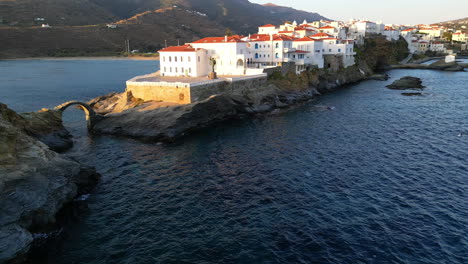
(91, 116)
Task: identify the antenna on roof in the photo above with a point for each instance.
(178, 42)
(165, 41)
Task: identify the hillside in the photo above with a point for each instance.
(175, 25)
(457, 21)
(239, 15)
(78, 26)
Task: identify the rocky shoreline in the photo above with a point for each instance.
(125, 116)
(35, 182)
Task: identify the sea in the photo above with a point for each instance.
(361, 175)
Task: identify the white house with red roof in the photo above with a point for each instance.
(460, 36)
(183, 61)
(231, 53)
(391, 33)
(311, 52)
(337, 32)
(304, 44)
(267, 29)
(344, 48)
(432, 32)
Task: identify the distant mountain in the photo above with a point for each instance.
(239, 15)
(78, 26)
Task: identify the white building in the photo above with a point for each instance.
(391, 33)
(267, 29)
(311, 49)
(183, 61)
(231, 53)
(304, 45)
(437, 47)
(460, 36)
(345, 48)
(432, 32)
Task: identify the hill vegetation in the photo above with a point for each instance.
(78, 27)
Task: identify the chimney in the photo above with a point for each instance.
(225, 38)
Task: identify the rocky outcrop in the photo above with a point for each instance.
(440, 65)
(45, 125)
(124, 115)
(405, 83)
(127, 116)
(35, 183)
(168, 123)
(379, 77)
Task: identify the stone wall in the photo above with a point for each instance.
(333, 62)
(147, 92)
(187, 94)
(236, 87)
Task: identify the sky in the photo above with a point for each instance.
(390, 11)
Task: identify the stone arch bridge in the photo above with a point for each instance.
(91, 116)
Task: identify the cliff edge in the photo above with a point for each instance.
(35, 183)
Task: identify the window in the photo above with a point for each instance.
(181, 59)
(264, 56)
(329, 50)
(256, 45)
(256, 55)
(170, 58)
(277, 45)
(170, 69)
(198, 58)
(268, 46)
(188, 58)
(165, 70)
(176, 69)
(175, 58)
(164, 58)
(182, 70)
(190, 70)
(339, 50)
(277, 55)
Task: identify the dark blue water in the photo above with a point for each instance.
(383, 178)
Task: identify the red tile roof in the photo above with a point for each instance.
(266, 37)
(308, 39)
(220, 39)
(319, 35)
(184, 48)
(267, 26)
(327, 27)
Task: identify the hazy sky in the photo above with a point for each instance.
(390, 11)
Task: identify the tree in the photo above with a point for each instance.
(447, 36)
(228, 32)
